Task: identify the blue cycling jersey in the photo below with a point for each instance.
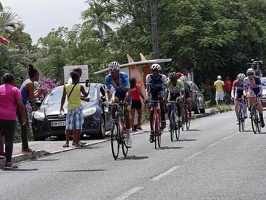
(256, 89)
(156, 82)
(123, 82)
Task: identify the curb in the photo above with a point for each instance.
(41, 153)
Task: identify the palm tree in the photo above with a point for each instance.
(10, 25)
(98, 16)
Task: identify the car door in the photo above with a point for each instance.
(107, 115)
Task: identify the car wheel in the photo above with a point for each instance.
(101, 133)
(197, 110)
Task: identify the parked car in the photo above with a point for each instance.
(263, 99)
(197, 98)
(47, 121)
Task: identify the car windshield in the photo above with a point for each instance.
(55, 96)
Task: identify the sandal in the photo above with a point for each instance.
(66, 145)
(10, 166)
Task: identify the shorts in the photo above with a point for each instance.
(136, 104)
(74, 117)
(174, 97)
(155, 93)
(219, 96)
(120, 96)
(187, 96)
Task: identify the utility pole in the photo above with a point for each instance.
(154, 29)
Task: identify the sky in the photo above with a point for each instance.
(41, 16)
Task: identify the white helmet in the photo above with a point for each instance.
(241, 77)
(114, 66)
(155, 67)
(250, 70)
(219, 77)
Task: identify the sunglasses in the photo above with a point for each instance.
(250, 74)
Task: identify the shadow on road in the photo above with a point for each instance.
(134, 158)
(84, 170)
(19, 170)
(165, 148)
(48, 159)
(187, 140)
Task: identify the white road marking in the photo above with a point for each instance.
(128, 193)
(165, 173)
(192, 156)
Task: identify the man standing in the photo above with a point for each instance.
(219, 87)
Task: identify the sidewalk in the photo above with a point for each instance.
(44, 148)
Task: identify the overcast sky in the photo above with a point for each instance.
(40, 16)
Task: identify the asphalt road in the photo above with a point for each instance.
(211, 161)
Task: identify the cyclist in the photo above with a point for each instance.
(174, 92)
(187, 96)
(155, 88)
(253, 86)
(121, 86)
(238, 92)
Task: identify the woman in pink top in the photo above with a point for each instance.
(136, 103)
(10, 100)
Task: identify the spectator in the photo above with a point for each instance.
(228, 85)
(187, 75)
(79, 71)
(74, 118)
(10, 100)
(136, 103)
(219, 87)
(28, 93)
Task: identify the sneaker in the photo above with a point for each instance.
(237, 122)
(139, 128)
(163, 125)
(129, 142)
(152, 137)
(27, 150)
(10, 165)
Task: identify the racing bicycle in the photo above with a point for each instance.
(241, 115)
(174, 127)
(254, 113)
(118, 130)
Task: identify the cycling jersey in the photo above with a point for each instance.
(174, 90)
(123, 83)
(156, 85)
(238, 88)
(256, 89)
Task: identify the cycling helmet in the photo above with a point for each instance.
(219, 77)
(114, 66)
(250, 70)
(241, 77)
(155, 67)
(179, 74)
(172, 75)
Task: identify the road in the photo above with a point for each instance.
(211, 161)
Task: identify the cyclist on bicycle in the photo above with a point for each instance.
(187, 96)
(253, 86)
(120, 83)
(155, 85)
(174, 92)
(237, 93)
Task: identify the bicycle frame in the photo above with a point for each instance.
(156, 121)
(174, 128)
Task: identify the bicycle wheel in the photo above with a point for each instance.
(157, 132)
(124, 147)
(172, 124)
(187, 122)
(258, 122)
(177, 130)
(115, 139)
(241, 119)
(253, 119)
